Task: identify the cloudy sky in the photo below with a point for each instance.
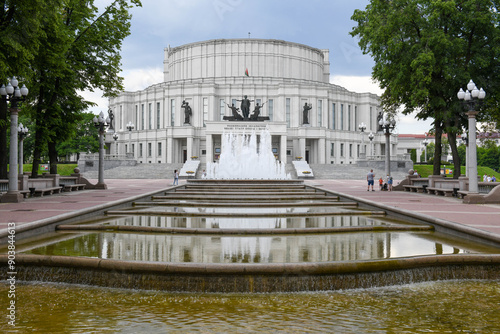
(318, 23)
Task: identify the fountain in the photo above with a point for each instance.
(244, 157)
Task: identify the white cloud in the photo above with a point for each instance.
(358, 84)
(141, 78)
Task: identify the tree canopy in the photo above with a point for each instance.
(426, 50)
(80, 50)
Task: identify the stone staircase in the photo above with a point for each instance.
(165, 171)
(139, 171)
(350, 172)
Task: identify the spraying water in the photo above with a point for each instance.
(242, 158)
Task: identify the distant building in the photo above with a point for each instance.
(280, 76)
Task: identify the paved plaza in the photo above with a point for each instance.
(35, 210)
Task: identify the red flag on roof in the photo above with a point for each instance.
(246, 72)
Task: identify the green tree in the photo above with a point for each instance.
(20, 23)
(462, 154)
(85, 138)
(81, 51)
(425, 50)
(413, 155)
(431, 148)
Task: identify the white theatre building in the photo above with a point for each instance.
(282, 78)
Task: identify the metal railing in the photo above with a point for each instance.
(95, 156)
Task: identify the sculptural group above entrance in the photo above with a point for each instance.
(245, 109)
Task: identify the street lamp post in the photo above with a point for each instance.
(472, 97)
(15, 95)
(23, 132)
(371, 136)
(425, 142)
(130, 127)
(387, 126)
(362, 128)
(101, 125)
(115, 137)
(466, 143)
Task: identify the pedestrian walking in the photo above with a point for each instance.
(176, 178)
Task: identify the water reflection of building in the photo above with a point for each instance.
(268, 249)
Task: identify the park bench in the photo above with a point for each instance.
(69, 184)
(44, 191)
(443, 191)
(415, 188)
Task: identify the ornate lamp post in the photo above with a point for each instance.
(425, 142)
(115, 137)
(15, 95)
(387, 126)
(362, 128)
(466, 143)
(23, 132)
(472, 98)
(371, 136)
(101, 124)
(130, 127)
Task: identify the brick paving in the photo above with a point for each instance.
(483, 217)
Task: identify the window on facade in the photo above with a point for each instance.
(287, 108)
(341, 117)
(172, 112)
(333, 116)
(320, 112)
(140, 150)
(371, 119)
(133, 148)
(205, 110)
(150, 151)
(121, 117)
(270, 109)
(126, 148)
(358, 150)
(355, 117)
(150, 116)
(159, 150)
(136, 115)
(158, 115)
(142, 116)
(341, 150)
(222, 109)
(332, 149)
(350, 150)
(349, 118)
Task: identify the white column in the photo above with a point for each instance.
(322, 150)
(210, 149)
(302, 148)
(283, 148)
(189, 147)
(473, 186)
(169, 150)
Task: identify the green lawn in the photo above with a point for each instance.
(62, 169)
(426, 170)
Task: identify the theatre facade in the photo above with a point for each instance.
(245, 85)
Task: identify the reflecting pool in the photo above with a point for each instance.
(434, 307)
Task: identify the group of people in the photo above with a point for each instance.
(387, 186)
(489, 178)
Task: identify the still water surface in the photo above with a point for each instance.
(436, 307)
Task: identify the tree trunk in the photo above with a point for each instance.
(437, 151)
(452, 140)
(52, 157)
(4, 150)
